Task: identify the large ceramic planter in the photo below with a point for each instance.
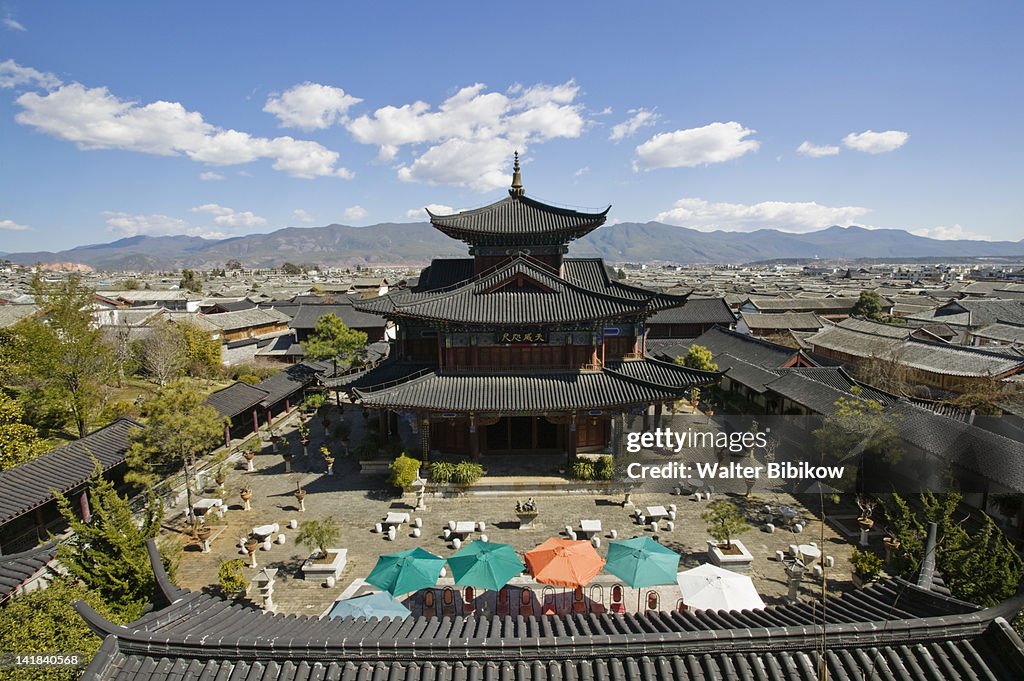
(316, 568)
(526, 520)
(735, 558)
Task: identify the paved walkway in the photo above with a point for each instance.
(344, 497)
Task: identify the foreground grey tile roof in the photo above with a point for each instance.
(18, 568)
(32, 483)
(307, 316)
(697, 311)
(892, 630)
(236, 399)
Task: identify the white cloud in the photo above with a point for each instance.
(462, 127)
(945, 233)
(13, 74)
(12, 226)
(302, 215)
(310, 106)
(816, 151)
(640, 118)
(93, 118)
(711, 143)
(435, 208)
(210, 176)
(354, 213)
(125, 224)
(14, 25)
(876, 142)
(480, 165)
(229, 217)
(582, 171)
(786, 216)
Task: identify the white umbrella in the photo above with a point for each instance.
(709, 587)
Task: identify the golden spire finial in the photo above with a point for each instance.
(517, 180)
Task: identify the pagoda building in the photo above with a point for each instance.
(519, 348)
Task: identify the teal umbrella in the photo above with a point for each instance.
(485, 565)
(641, 562)
(377, 604)
(405, 571)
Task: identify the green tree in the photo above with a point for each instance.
(403, 471)
(860, 428)
(45, 622)
(318, 535)
(978, 565)
(108, 554)
(233, 265)
(202, 351)
(178, 427)
(291, 269)
(724, 521)
(19, 441)
(698, 357)
(62, 353)
(331, 339)
(190, 281)
(870, 306)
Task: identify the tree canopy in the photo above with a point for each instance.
(858, 428)
(698, 357)
(331, 339)
(63, 355)
(178, 426)
(19, 441)
(108, 554)
(190, 281)
(870, 306)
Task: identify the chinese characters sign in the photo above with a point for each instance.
(507, 337)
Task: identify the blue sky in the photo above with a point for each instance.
(222, 119)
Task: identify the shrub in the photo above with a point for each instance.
(341, 430)
(866, 565)
(404, 470)
(466, 473)
(368, 447)
(441, 472)
(231, 577)
(582, 470)
(251, 379)
(605, 468)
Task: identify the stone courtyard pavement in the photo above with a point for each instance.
(343, 496)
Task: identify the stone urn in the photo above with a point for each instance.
(246, 495)
(300, 496)
(249, 455)
(329, 460)
(891, 544)
(204, 533)
(865, 523)
(220, 477)
(287, 456)
(251, 544)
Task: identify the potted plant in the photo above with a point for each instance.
(232, 579)
(220, 475)
(866, 567)
(300, 496)
(323, 562)
(724, 522)
(251, 544)
(303, 430)
(287, 456)
(245, 494)
(867, 507)
(249, 453)
(328, 459)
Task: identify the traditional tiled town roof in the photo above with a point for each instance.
(974, 313)
(781, 321)
(16, 569)
(697, 311)
(891, 630)
(820, 305)
(495, 297)
(934, 357)
(246, 319)
(753, 350)
(32, 484)
(237, 398)
(620, 383)
(1004, 332)
(307, 316)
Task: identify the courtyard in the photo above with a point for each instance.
(357, 502)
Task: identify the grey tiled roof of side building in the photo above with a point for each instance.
(31, 484)
(18, 568)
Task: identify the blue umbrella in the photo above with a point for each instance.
(379, 605)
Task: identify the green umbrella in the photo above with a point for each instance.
(405, 571)
(485, 565)
(642, 562)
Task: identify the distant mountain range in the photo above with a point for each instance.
(398, 243)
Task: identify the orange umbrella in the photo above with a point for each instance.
(564, 562)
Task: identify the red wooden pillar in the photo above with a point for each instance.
(647, 417)
(474, 438)
(255, 420)
(227, 434)
(382, 424)
(572, 436)
(657, 415)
